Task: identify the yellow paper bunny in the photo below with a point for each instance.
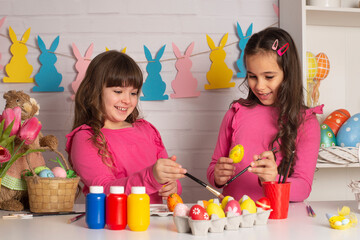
(219, 75)
(19, 69)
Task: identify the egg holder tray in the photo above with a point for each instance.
(339, 155)
(185, 224)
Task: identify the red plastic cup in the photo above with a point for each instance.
(278, 194)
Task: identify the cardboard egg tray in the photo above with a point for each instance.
(185, 224)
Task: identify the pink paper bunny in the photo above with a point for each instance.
(1, 23)
(184, 85)
(81, 66)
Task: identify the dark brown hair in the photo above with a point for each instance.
(108, 69)
(290, 98)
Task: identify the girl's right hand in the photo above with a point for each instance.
(166, 170)
(224, 169)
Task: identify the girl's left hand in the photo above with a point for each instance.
(264, 166)
(169, 188)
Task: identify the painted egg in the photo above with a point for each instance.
(214, 208)
(37, 170)
(327, 136)
(336, 119)
(181, 210)
(323, 68)
(237, 153)
(263, 203)
(197, 212)
(225, 201)
(349, 133)
(172, 200)
(234, 207)
(46, 173)
(246, 203)
(311, 66)
(59, 172)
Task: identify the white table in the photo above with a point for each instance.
(297, 226)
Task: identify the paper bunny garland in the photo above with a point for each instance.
(1, 23)
(242, 43)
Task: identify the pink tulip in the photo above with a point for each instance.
(9, 114)
(4, 155)
(30, 130)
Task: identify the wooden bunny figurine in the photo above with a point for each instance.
(18, 60)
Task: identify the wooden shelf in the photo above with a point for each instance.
(341, 17)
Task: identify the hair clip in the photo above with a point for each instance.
(275, 46)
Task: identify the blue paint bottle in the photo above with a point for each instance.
(95, 207)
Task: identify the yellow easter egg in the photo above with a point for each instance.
(344, 211)
(225, 201)
(311, 66)
(246, 203)
(214, 208)
(237, 153)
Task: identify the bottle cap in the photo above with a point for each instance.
(117, 189)
(138, 190)
(96, 189)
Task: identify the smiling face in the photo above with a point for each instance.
(264, 76)
(119, 103)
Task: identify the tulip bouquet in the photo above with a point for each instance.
(11, 130)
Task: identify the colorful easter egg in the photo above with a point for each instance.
(349, 133)
(336, 119)
(234, 207)
(237, 153)
(311, 66)
(327, 136)
(59, 172)
(323, 66)
(246, 203)
(214, 208)
(46, 173)
(197, 212)
(38, 169)
(172, 200)
(181, 210)
(263, 203)
(225, 201)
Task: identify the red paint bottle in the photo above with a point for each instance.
(116, 208)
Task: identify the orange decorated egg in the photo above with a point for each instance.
(323, 66)
(172, 200)
(336, 119)
(197, 212)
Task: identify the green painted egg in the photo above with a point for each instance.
(328, 138)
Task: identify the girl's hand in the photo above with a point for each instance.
(224, 169)
(169, 188)
(167, 170)
(266, 167)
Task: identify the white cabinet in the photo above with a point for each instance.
(336, 32)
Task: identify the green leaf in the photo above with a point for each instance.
(2, 128)
(7, 141)
(7, 130)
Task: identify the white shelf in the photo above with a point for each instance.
(327, 165)
(340, 17)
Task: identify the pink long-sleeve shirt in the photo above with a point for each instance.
(255, 128)
(135, 150)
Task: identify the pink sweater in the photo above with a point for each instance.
(254, 128)
(135, 150)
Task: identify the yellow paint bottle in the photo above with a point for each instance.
(138, 209)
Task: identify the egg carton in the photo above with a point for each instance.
(185, 224)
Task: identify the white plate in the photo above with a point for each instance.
(160, 210)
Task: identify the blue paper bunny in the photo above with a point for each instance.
(154, 87)
(242, 43)
(48, 79)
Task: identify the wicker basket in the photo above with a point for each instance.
(339, 156)
(52, 194)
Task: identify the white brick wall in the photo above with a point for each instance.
(188, 127)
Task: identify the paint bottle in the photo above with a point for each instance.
(116, 208)
(138, 209)
(95, 207)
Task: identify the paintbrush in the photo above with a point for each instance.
(288, 168)
(213, 191)
(244, 170)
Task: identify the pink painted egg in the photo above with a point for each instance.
(181, 210)
(263, 203)
(59, 172)
(197, 212)
(233, 206)
(336, 119)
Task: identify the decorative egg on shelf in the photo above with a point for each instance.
(328, 138)
(349, 133)
(336, 119)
